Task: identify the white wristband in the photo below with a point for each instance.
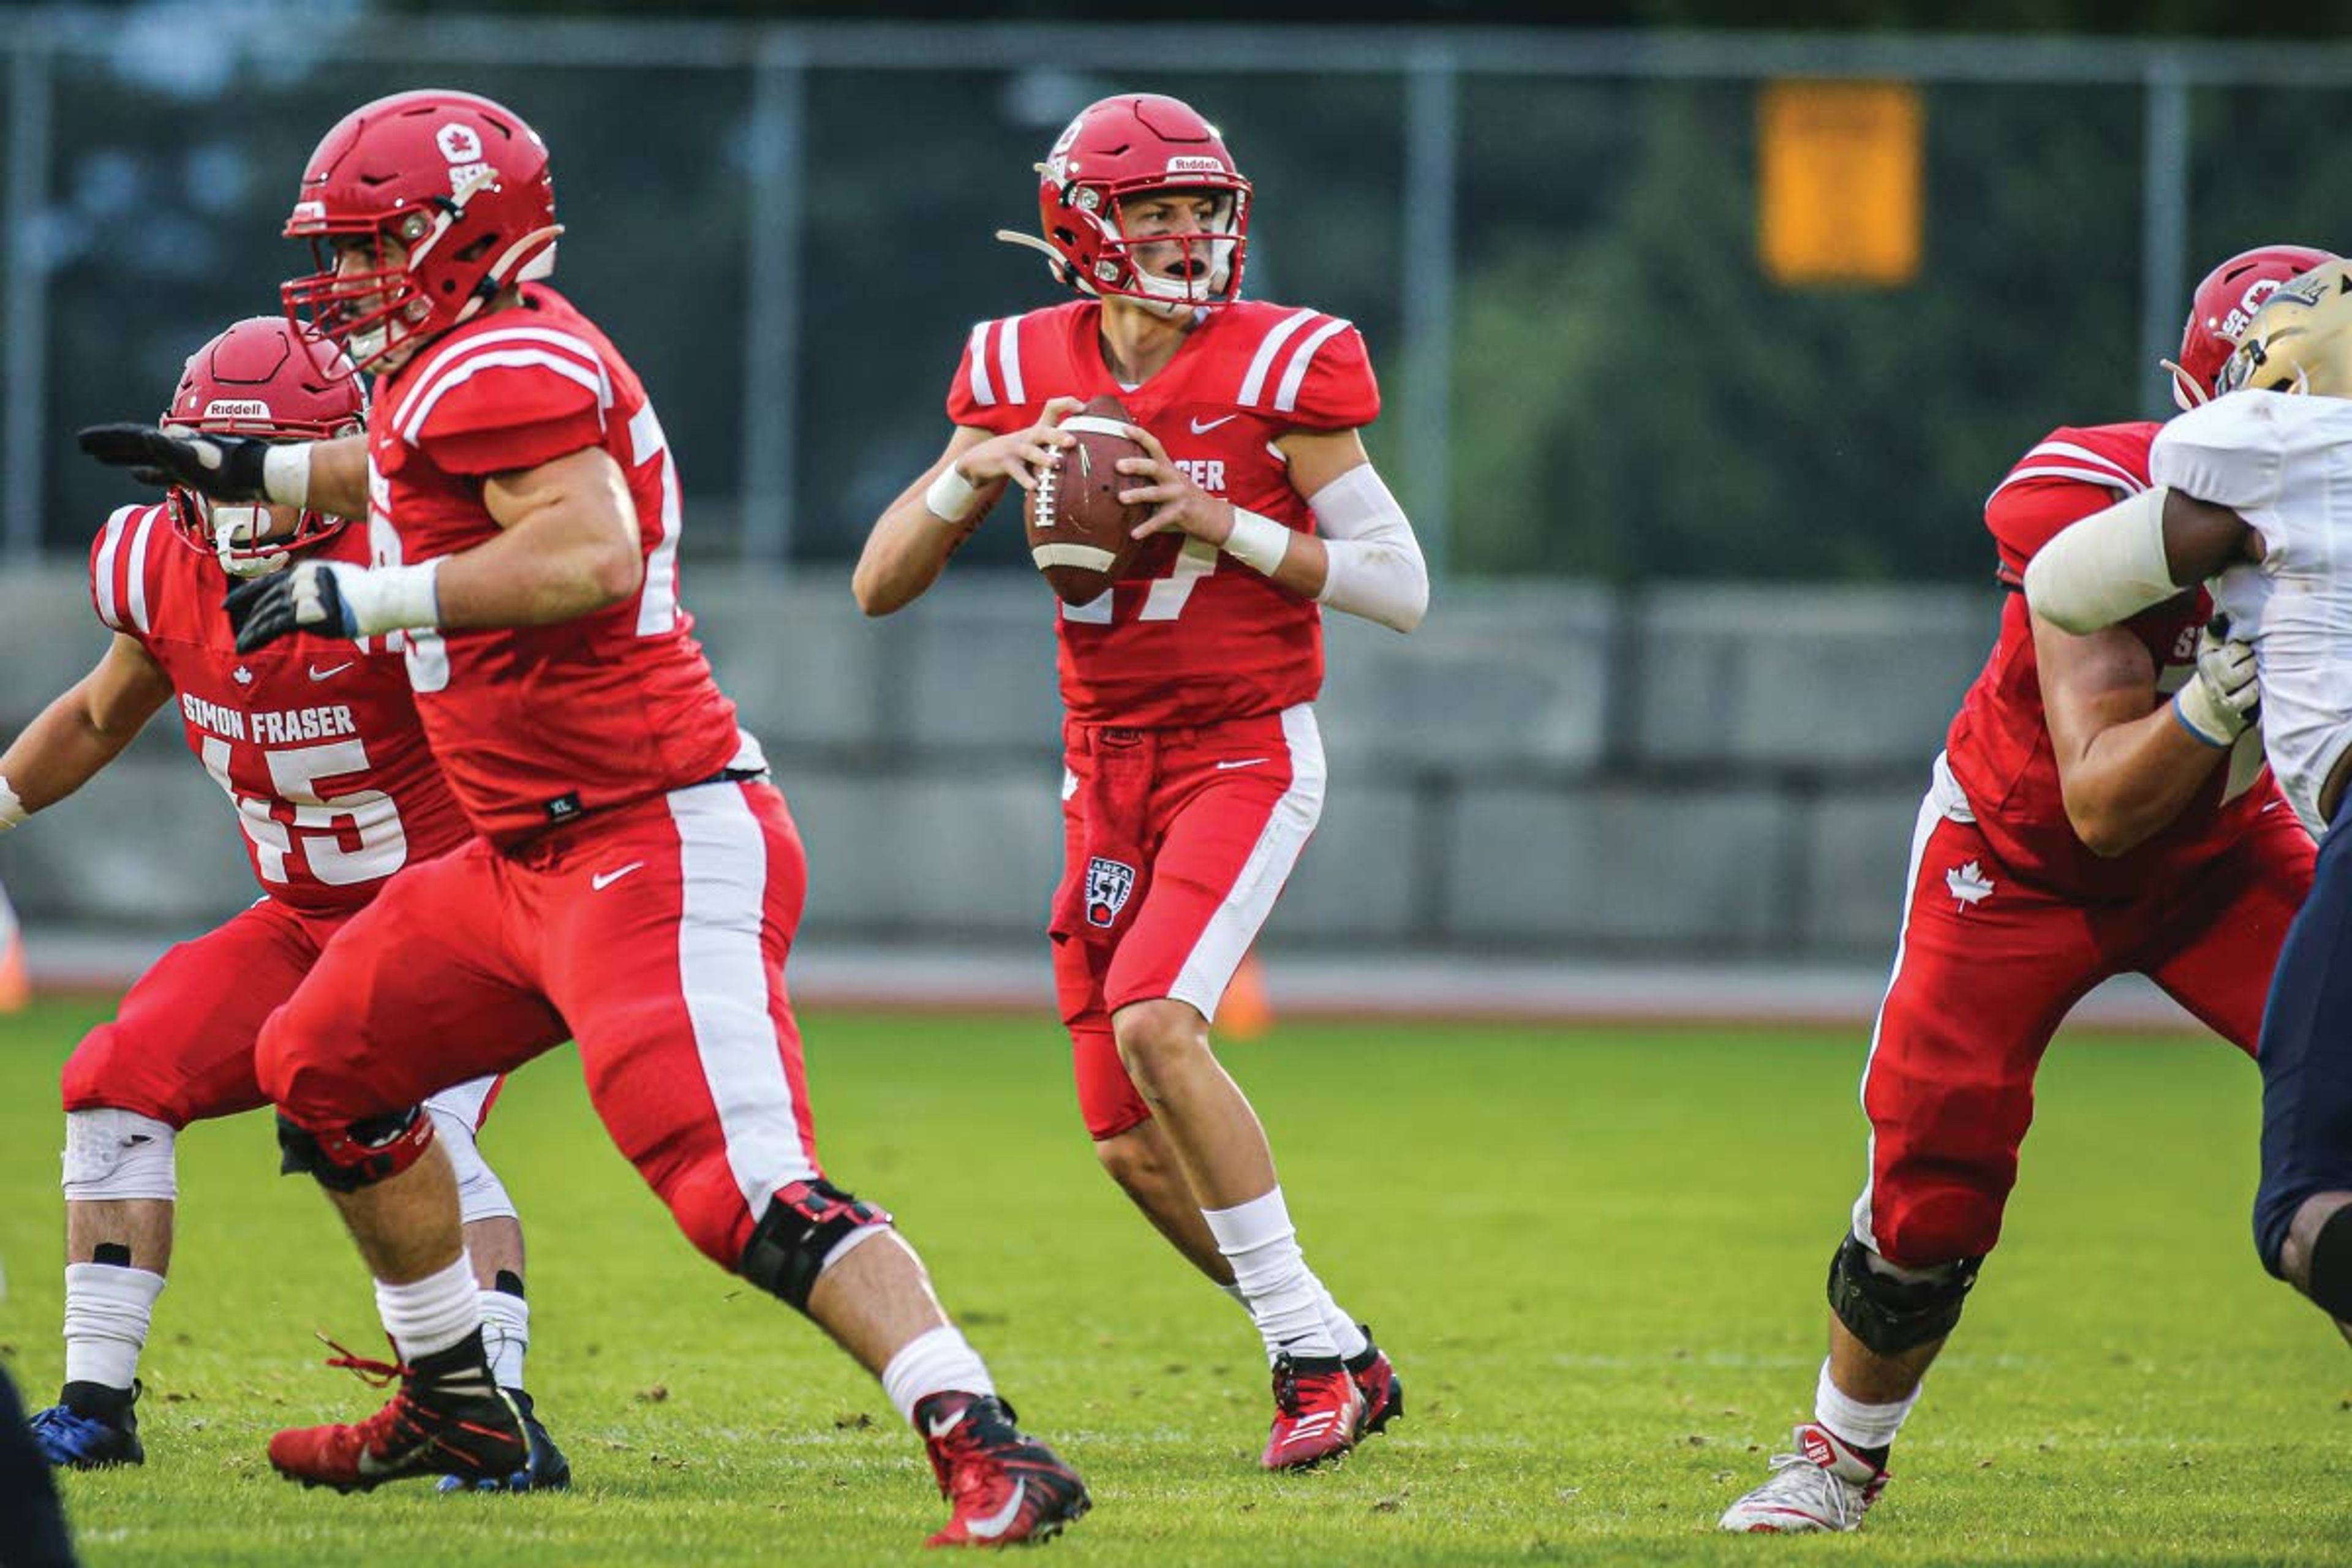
(1257, 542)
(286, 474)
(12, 810)
(951, 496)
(392, 598)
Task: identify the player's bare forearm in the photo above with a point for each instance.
(2203, 540)
(567, 546)
(909, 543)
(2134, 780)
(339, 476)
(905, 553)
(2126, 768)
(86, 727)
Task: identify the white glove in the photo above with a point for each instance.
(2222, 699)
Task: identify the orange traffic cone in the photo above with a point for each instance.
(1246, 1013)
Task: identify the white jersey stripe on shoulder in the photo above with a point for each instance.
(1262, 363)
(419, 409)
(102, 577)
(2104, 478)
(455, 363)
(2068, 451)
(1008, 361)
(441, 357)
(981, 391)
(135, 572)
(1286, 397)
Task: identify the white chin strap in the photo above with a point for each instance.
(242, 528)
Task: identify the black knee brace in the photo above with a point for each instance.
(358, 1155)
(2331, 1265)
(804, 1223)
(1891, 1315)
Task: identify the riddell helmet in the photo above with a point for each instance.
(268, 378)
(1122, 148)
(2300, 339)
(459, 182)
(2218, 313)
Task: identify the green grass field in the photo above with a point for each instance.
(1596, 1256)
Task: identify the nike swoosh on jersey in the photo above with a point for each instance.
(604, 880)
(1000, 1521)
(1203, 427)
(1244, 763)
(318, 674)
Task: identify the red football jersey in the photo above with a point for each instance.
(317, 742)
(535, 725)
(1998, 745)
(1187, 635)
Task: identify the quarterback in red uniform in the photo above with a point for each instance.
(635, 881)
(320, 752)
(2101, 808)
(1194, 772)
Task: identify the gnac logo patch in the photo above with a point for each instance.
(1108, 883)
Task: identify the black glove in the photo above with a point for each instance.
(226, 468)
(304, 597)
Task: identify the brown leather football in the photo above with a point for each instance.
(1079, 535)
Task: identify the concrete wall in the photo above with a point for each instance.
(1696, 772)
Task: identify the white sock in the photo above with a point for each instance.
(1861, 1425)
(432, 1314)
(1285, 1297)
(1346, 1332)
(108, 1310)
(506, 1335)
(940, 1360)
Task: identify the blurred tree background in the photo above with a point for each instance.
(1631, 394)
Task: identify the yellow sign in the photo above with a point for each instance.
(1840, 175)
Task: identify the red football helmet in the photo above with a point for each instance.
(1122, 148)
(459, 183)
(269, 378)
(2221, 309)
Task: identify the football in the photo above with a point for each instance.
(1079, 534)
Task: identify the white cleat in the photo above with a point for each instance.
(1823, 1486)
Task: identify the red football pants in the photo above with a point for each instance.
(181, 1047)
(1176, 844)
(655, 935)
(1987, 967)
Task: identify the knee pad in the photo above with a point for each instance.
(807, 1226)
(480, 1194)
(113, 1155)
(357, 1154)
(2331, 1265)
(1889, 1312)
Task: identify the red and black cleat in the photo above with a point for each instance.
(1377, 1380)
(450, 1417)
(1004, 1486)
(1317, 1411)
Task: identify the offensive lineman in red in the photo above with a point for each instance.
(1195, 774)
(2101, 808)
(636, 879)
(318, 749)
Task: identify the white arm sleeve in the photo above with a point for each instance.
(2107, 568)
(1375, 566)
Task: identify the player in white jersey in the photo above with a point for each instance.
(2256, 487)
